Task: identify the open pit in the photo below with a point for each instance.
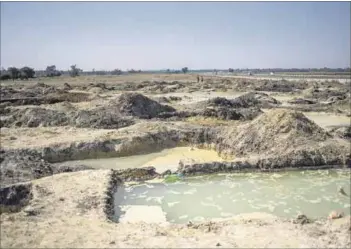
(284, 194)
(167, 159)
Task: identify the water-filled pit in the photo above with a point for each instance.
(167, 159)
(285, 194)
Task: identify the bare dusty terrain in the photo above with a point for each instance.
(244, 124)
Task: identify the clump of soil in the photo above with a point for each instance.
(138, 174)
(67, 86)
(135, 104)
(15, 197)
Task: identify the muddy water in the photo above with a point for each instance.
(285, 194)
(163, 160)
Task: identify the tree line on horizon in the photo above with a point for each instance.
(26, 72)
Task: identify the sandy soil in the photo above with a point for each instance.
(70, 214)
(15, 138)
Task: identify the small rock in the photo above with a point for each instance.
(13, 138)
(30, 211)
(167, 172)
(335, 215)
(190, 224)
(62, 199)
(112, 243)
(301, 219)
(218, 244)
(342, 191)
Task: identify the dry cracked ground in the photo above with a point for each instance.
(253, 125)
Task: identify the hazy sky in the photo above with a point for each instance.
(153, 35)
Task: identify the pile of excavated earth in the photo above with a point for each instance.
(44, 126)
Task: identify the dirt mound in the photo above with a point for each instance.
(342, 132)
(326, 94)
(275, 132)
(64, 106)
(226, 109)
(41, 94)
(342, 105)
(42, 89)
(34, 117)
(103, 118)
(222, 113)
(25, 165)
(251, 99)
(281, 86)
(135, 104)
(100, 118)
(18, 166)
(301, 101)
(98, 88)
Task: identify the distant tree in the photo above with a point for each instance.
(100, 72)
(168, 71)
(4, 75)
(134, 71)
(13, 72)
(231, 70)
(185, 69)
(74, 71)
(116, 72)
(26, 73)
(51, 71)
